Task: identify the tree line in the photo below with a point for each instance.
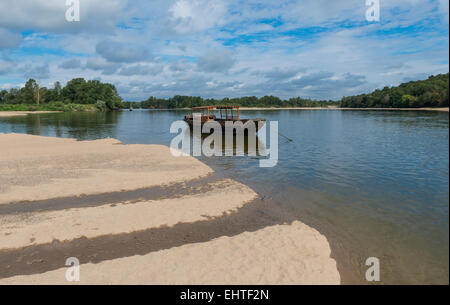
(248, 101)
(432, 92)
(78, 91)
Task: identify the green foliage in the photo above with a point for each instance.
(409, 100)
(432, 92)
(100, 105)
(77, 92)
(248, 101)
(56, 106)
(28, 93)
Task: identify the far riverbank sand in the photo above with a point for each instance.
(32, 240)
(6, 114)
(443, 109)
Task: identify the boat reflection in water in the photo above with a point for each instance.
(251, 145)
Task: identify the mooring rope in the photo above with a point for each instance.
(289, 139)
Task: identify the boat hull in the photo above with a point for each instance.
(259, 123)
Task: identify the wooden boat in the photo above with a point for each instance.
(227, 114)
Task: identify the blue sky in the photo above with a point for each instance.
(215, 48)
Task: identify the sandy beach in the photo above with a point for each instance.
(6, 114)
(134, 214)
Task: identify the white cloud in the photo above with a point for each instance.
(216, 61)
(49, 15)
(181, 66)
(37, 72)
(443, 8)
(5, 67)
(141, 70)
(197, 15)
(100, 64)
(122, 52)
(9, 39)
(71, 64)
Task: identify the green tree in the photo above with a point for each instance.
(409, 101)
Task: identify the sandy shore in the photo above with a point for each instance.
(444, 109)
(6, 114)
(37, 168)
(141, 237)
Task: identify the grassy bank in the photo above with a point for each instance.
(48, 107)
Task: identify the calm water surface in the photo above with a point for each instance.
(376, 183)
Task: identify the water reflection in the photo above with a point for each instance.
(252, 145)
(81, 126)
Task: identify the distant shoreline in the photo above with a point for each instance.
(6, 114)
(443, 109)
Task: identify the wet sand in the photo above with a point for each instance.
(99, 221)
(133, 214)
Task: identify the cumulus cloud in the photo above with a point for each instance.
(49, 15)
(312, 79)
(9, 39)
(100, 64)
(180, 66)
(443, 8)
(316, 85)
(216, 61)
(278, 73)
(71, 64)
(140, 69)
(327, 84)
(37, 72)
(197, 15)
(122, 52)
(5, 67)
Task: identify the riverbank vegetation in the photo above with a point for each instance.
(432, 92)
(248, 101)
(56, 106)
(77, 95)
(92, 95)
